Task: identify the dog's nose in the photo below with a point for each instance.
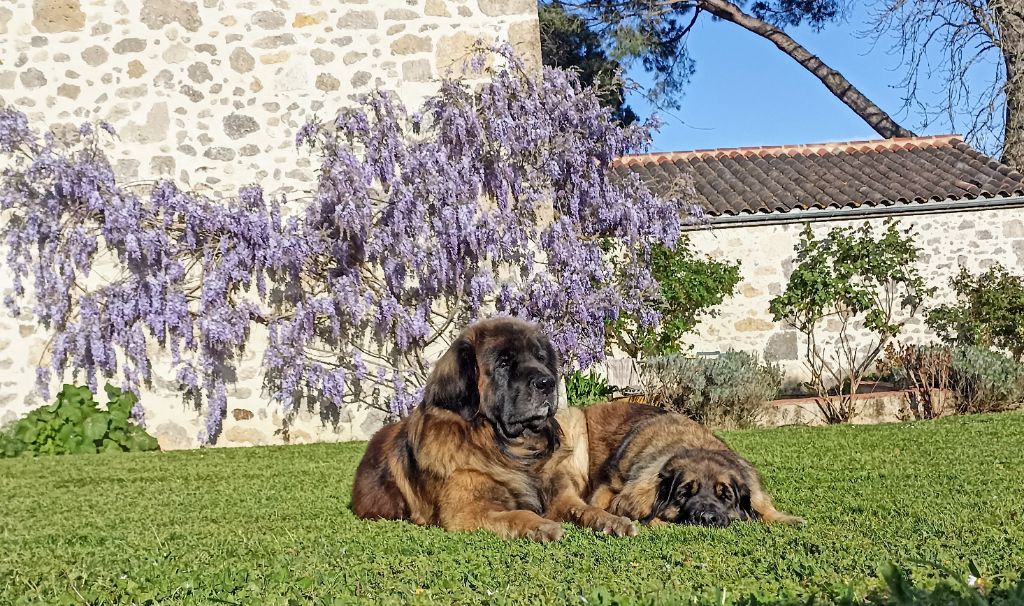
(544, 383)
(710, 518)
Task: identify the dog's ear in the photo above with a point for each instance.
(742, 492)
(452, 384)
(668, 483)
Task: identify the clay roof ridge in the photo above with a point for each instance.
(864, 146)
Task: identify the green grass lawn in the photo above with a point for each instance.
(272, 526)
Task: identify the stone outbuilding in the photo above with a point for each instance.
(966, 209)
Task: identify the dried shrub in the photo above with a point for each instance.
(925, 372)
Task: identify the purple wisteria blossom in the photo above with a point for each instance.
(495, 199)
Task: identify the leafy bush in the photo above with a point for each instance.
(690, 286)
(730, 390)
(985, 380)
(989, 311)
(582, 388)
(860, 281)
(674, 381)
(73, 424)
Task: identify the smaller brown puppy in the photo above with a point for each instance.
(669, 468)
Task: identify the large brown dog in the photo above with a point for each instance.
(483, 450)
(665, 467)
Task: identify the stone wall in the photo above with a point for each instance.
(975, 239)
(210, 93)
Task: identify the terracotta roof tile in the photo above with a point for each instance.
(829, 175)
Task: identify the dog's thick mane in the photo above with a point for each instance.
(528, 450)
(470, 457)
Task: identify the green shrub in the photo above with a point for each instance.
(674, 381)
(849, 281)
(989, 311)
(691, 285)
(984, 380)
(730, 390)
(74, 424)
(586, 388)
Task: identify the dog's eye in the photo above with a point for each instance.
(724, 492)
(690, 488)
(502, 362)
(540, 356)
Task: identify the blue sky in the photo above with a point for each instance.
(747, 92)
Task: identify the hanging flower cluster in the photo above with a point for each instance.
(494, 200)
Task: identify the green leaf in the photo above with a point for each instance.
(76, 395)
(120, 401)
(973, 568)
(73, 443)
(76, 415)
(142, 441)
(111, 391)
(118, 420)
(900, 589)
(110, 446)
(65, 433)
(95, 426)
(12, 448)
(85, 447)
(27, 433)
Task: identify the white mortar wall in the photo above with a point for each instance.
(210, 93)
(974, 239)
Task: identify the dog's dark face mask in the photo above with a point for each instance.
(520, 378)
(704, 488)
(502, 370)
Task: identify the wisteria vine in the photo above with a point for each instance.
(499, 199)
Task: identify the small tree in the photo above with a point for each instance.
(690, 286)
(860, 281)
(490, 200)
(989, 311)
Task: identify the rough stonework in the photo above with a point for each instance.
(210, 93)
(975, 239)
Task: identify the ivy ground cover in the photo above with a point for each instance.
(941, 500)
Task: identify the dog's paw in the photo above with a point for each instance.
(618, 526)
(547, 532)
